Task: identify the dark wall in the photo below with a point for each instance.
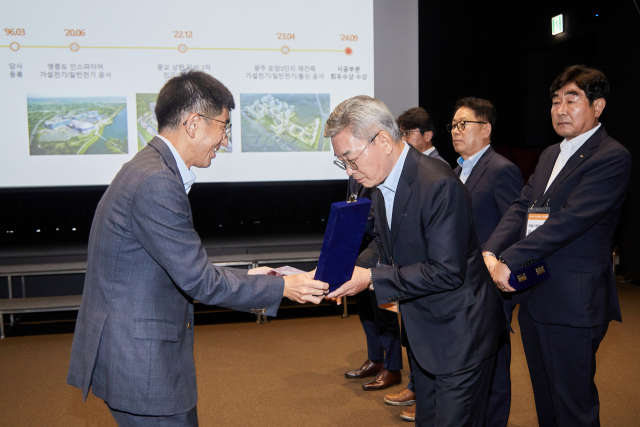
(508, 55)
(467, 48)
(64, 216)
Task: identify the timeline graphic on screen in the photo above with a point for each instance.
(80, 87)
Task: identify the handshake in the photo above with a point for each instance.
(299, 286)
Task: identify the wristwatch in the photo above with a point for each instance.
(499, 257)
(370, 280)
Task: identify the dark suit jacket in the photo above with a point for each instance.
(359, 190)
(494, 183)
(133, 341)
(450, 309)
(585, 200)
(437, 155)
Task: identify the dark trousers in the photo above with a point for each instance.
(125, 419)
(500, 390)
(562, 366)
(382, 330)
(410, 385)
(458, 399)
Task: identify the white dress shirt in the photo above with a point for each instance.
(567, 149)
(467, 165)
(188, 177)
(428, 151)
(389, 186)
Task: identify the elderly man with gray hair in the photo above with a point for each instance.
(425, 257)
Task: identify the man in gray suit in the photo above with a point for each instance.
(418, 129)
(133, 342)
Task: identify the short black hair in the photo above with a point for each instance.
(483, 109)
(417, 117)
(191, 92)
(593, 82)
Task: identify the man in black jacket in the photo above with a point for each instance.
(582, 182)
(428, 261)
(494, 183)
(418, 129)
(381, 327)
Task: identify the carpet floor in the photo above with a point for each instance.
(291, 373)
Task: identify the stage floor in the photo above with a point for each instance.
(290, 372)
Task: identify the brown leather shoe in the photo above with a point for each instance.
(384, 379)
(368, 369)
(409, 414)
(405, 398)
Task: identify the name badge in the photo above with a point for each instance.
(537, 217)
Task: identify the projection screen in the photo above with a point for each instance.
(81, 80)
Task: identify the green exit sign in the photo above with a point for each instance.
(557, 26)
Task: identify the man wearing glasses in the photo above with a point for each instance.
(381, 327)
(494, 183)
(424, 256)
(133, 343)
(418, 129)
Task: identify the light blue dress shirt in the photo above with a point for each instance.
(389, 186)
(467, 165)
(188, 177)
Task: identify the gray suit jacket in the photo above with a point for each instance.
(133, 342)
(437, 155)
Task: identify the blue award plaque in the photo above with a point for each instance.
(341, 244)
(529, 276)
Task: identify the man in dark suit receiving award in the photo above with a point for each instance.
(425, 257)
(566, 216)
(494, 183)
(133, 343)
(381, 327)
(418, 129)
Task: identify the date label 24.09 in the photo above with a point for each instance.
(348, 37)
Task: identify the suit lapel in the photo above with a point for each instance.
(383, 229)
(479, 169)
(403, 192)
(542, 178)
(574, 161)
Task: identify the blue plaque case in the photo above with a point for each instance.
(529, 276)
(341, 244)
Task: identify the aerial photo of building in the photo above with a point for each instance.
(77, 125)
(284, 122)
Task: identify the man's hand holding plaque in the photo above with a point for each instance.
(359, 282)
(499, 273)
(299, 287)
(302, 288)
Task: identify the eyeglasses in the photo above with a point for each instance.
(407, 133)
(460, 125)
(227, 126)
(351, 164)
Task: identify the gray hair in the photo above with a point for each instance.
(362, 116)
